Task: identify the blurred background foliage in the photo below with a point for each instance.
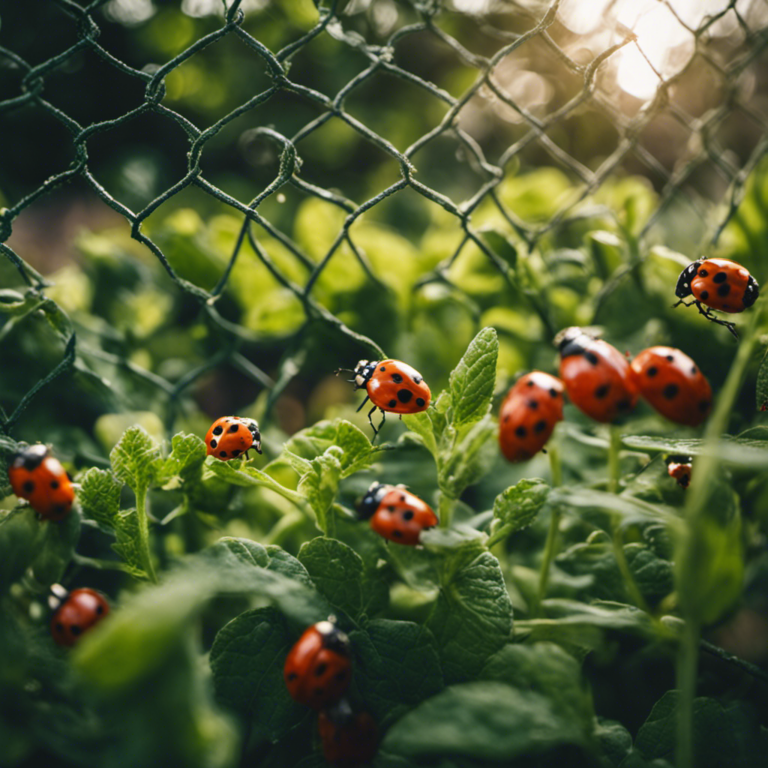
(595, 166)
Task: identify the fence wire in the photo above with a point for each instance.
(703, 25)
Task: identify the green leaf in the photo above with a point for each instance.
(247, 660)
(337, 570)
(396, 666)
(723, 736)
(135, 459)
(500, 244)
(20, 537)
(128, 543)
(282, 562)
(632, 509)
(473, 379)
(321, 484)
(761, 389)
(248, 477)
(99, 496)
(186, 459)
(468, 460)
(614, 740)
(548, 670)
(56, 549)
(749, 452)
(482, 720)
(472, 618)
(517, 507)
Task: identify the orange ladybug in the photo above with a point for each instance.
(719, 284)
(672, 383)
(396, 514)
(39, 478)
(392, 386)
(529, 413)
(596, 375)
(231, 436)
(349, 739)
(681, 472)
(318, 669)
(79, 611)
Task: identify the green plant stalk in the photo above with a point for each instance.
(614, 474)
(550, 548)
(698, 495)
(141, 513)
(445, 506)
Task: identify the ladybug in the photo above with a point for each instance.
(719, 284)
(348, 738)
(396, 514)
(77, 612)
(672, 383)
(392, 386)
(231, 436)
(529, 413)
(318, 668)
(681, 472)
(596, 375)
(39, 478)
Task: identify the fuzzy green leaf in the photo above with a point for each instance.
(321, 484)
(517, 507)
(236, 473)
(337, 570)
(761, 389)
(473, 379)
(396, 666)
(99, 496)
(615, 741)
(128, 542)
(485, 721)
(186, 459)
(469, 459)
(247, 660)
(135, 459)
(472, 618)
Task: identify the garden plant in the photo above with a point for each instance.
(553, 551)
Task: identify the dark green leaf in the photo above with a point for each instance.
(20, 536)
(614, 739)
(135, 459)
(747, 452)
(761, 390)
(99, 496)
(473, 379)
(56, 549)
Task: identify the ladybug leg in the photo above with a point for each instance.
(383, 419)
(360, 408)
(708, 314)
(689, 304)
(370, 420)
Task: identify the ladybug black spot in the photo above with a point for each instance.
(704, 295)
(540, 426)
(383, 368)
(602, 391)
(694, 370)
(591, 357)
(99, 609)
(418, 379)
(29, 486)
(670, 391)
(391, 509)
(408, 515)
(292, 676)
(222, 453)
(393, 403)
(402, 498)
(724, 289)
(530, 383)
(320, 669)
(703, 273)
(704, 405)
(236, 452)
(421, 402)
(521, 431)
(397, 532)
(720, 277)
(234, 428)
(533, 404)
(75, 629)
(218, 430)
(652, 371)
(404, 395)
(214, 443)
(54, 484)
(671, 358)
(506, 418)
(397, 378)
(553, 392)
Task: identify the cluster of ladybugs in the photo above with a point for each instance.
(317, 672)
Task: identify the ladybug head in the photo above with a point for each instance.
(572, 341)
(253, 428)
(363, 372)
(683, 288)
(333, 637)
(367, 506)
(31, 457)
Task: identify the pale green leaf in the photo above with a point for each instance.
(472, 380)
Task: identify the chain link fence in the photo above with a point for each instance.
(689, 74)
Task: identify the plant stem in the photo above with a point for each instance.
(141, 514)
(687, 663)
(614, 464)
(445, 509)
(550, 548)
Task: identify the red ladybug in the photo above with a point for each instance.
(672, 383)
(231, 436)
(596, 375)
(391, 386)
(719, 284)
(681, 473)
(79, 610)
(529, 413)
(349, 739)
(396, 514)
(40, 479)
(318, 668)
